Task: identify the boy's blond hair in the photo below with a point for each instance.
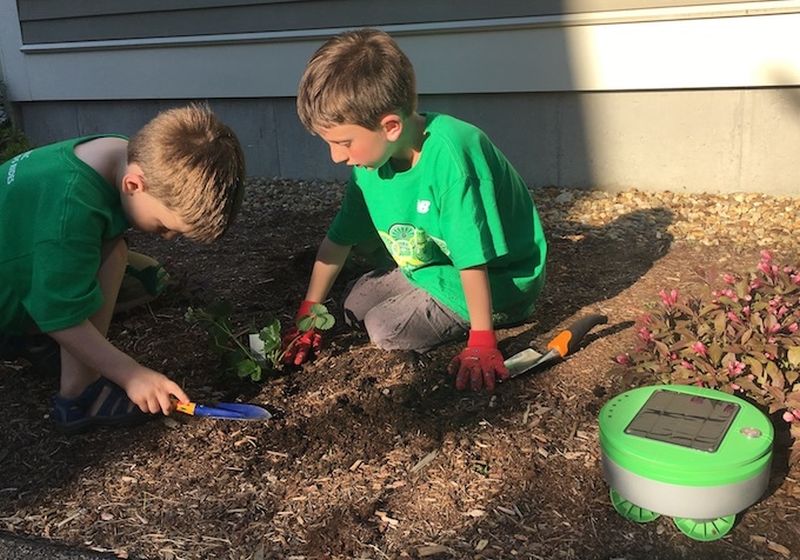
(193, 164)
(357, 77)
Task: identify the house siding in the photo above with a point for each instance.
(56, 21)
(686, 96)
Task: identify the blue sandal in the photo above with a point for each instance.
(103, 403)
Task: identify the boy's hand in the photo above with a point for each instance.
(298, 347)
(479, 364)
(152, 391)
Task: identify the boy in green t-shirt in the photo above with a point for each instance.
(451, 210)
(65, 208)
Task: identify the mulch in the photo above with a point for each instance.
(373, 454)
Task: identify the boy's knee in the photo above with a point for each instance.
(385, 332)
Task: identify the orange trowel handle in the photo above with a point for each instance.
(567, 341)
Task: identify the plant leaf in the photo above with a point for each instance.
(305, 323)
(325, 322)
(248, 368)
(318, 309)
(793, 355)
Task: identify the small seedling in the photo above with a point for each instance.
(246, 359)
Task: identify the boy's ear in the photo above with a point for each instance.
(133, 180)
(392, 126)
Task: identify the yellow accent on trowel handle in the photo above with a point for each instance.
(186, 408)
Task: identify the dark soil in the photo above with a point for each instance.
(370, 454)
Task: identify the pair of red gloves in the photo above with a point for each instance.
(478, 366)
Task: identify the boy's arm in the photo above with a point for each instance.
(478, 295)
(147, 388)
(480, 362)
(330, 259)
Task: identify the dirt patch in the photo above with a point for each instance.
(373, 454)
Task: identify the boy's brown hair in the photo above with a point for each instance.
(356, 77)
(194, 165)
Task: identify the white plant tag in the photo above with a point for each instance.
(257, 345)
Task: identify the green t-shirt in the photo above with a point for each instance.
(462, 205)
(56, 213)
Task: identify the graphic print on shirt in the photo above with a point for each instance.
(410, 246)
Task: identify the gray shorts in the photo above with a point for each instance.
(398, 315)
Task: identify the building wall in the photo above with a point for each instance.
(680, 95)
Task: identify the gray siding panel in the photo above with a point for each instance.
(55, 21)
(52, 9)
(723, 141)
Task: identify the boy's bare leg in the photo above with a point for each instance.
(75, 376)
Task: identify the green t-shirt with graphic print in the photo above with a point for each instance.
(461, 205)
(56, 213)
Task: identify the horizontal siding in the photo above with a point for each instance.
(695, 141)
(56, 21)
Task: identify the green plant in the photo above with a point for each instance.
(743, 339)
(12, 141)
(234, 348)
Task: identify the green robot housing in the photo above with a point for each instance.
(695, 454)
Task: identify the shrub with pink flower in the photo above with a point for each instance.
(743, 337)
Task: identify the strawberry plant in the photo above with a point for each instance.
(743, 338)
(238, 354)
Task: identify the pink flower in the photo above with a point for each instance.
(796, 413)
(700, 348)
(735, 368)
(687, 365)
(772, 329)
(623, 359)
(669, 299)
(793, 328)
(727, 292)
(645, 334)
(767, 269)
(766, 256)
(788, 416)
(795, 278)
(735, 387)
(756, 284)
(729, 279)
(746, 310)
(733, 317)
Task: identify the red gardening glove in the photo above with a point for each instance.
(298, 347)
(479, 364)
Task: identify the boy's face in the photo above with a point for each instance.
(147, 213)
(358, 146)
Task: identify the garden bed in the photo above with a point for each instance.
(372, 454)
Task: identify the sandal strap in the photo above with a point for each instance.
(102, 403)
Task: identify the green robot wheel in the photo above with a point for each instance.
(705, 530)
(630, 511)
